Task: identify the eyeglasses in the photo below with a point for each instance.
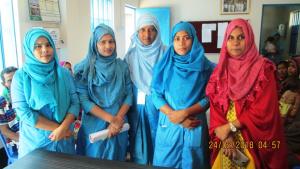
(182, 38)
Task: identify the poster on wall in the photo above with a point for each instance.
(55, 35)
(44, 10)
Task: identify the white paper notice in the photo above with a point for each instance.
(221, 32)
(141, 97)
(103, 134)
(206, 32)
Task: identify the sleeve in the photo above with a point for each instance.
(204, 102)
(75, 106)
(24, 112)
(84, 98)
(158, 99)
(129, 93)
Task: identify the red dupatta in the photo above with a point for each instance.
(249, 82)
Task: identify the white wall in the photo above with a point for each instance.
(74, 27)
(204, 10)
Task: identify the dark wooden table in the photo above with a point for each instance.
(42, 159)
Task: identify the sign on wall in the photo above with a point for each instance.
(44, 10)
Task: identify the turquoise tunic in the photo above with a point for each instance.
(180, 81)
(103, 82)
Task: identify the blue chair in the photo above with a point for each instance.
(11, 155)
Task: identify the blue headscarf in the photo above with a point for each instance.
(97, 70)
(140, 58)
(190, 68)
(39, 75)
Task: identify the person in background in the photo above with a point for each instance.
(145, 50)
(270, 50)
(66, 65)
(9, 125)
(44, 97)
(178, 91)
(244, 111)
(294, 67)
(290, 100)
(282, 70)
(105, 92)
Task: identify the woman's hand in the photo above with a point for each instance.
(115, 126)
(229, 148)
(117, 122)
(112, 131)
(222, 132)
(60, 133)
(191, 122)
(178, 116)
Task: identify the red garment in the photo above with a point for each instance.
(257, 109)
(241, 72)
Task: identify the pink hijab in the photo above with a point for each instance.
(236, 76)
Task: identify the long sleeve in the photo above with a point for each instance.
(24, 112)
(84, 98)
(74, 106)
(129, 94)
(158, 99)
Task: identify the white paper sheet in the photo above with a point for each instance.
(102, 135)
(206, 32)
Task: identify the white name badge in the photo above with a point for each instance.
(141, 97)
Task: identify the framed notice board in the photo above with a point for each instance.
(211, 34)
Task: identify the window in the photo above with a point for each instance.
(295, 18)
(129, 25)
(8, 48)
(295, 36)
(101, 12)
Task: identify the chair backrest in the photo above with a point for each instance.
(11, 156)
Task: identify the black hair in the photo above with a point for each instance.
(283, 62)
(7, 70)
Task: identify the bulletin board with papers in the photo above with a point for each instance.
(211, 34)
(44, 10)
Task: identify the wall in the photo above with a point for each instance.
(74, 27)
(204, 10)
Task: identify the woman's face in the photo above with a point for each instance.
(282, 70)
(147, 34)
(43, 50)
(182, 43)
(106, 45)
(292, 69)
(236, 43)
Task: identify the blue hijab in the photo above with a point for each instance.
(140, 58)
(39, 75)
(97, 70)
(190, 69)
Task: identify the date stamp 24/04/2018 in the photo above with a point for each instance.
(261, 144)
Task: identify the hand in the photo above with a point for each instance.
(223, 131)
(178, 116)
(117, 122)
(191, 122)
(60, 133)
(112, 131)
(229, 148)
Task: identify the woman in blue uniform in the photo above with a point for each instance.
(178, 91)
(145, 50)
(44, 97)
(105, 93)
